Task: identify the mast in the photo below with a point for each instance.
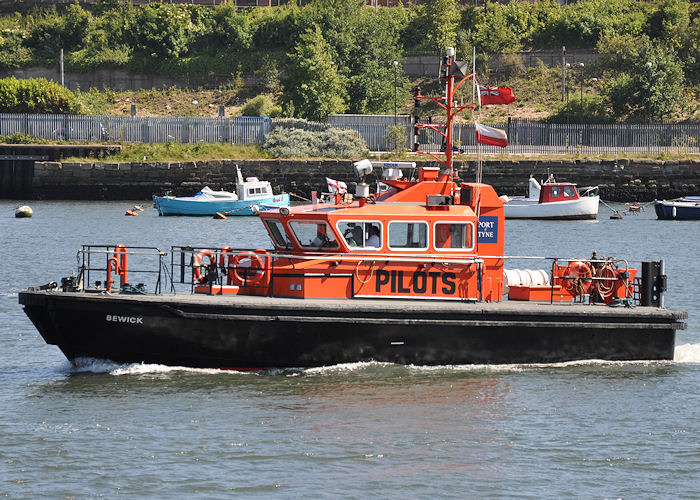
(450, 71)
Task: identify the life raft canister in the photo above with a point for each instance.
(249, 268)
(197, 276)
(577, 276)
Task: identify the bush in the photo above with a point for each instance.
(396, 136)
(55, 32)
(13, 54)
(36, 95)
(331, 143)
(163, 31)
(511, 66)
(592, 111)
(261, 105)
(22, 138)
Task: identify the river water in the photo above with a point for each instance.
(585, 429)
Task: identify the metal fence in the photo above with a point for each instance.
(374, 129)
(525, 137)
(243, 130)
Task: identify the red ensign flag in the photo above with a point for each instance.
(495, 95)
(491, 136)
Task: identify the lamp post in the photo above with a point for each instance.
(568, 111)
(648, 65)
(396, 66)
(580, 108)
(563, 72)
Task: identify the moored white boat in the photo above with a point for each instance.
(553, 200)
(251, 196)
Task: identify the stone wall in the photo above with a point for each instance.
(619, 180)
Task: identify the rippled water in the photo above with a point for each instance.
(568, 430)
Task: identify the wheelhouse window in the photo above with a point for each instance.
(453, 236)
(313, 234)
(556, 191)
(408, 235)
(569, 192)
(360, 235)
(278, 233)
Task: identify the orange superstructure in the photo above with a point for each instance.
(428, 242)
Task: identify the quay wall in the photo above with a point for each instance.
(619, 180)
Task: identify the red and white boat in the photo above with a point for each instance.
(553, 200)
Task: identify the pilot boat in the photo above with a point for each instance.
(414, 275)
(553, 200)
(251, 196)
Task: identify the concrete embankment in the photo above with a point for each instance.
(619, 180)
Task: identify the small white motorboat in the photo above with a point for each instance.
(251, 196)
(553, 200)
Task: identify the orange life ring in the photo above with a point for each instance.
(197, 276)
(256, 272)
(578, 276)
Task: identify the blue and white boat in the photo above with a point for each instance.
(687, 208)
(251, 196)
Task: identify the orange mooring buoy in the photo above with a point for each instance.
(131, 212)
(219, 215)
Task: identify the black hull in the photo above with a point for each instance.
(259, 333)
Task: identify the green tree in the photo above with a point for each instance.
(13, 54)
(618, 52)
(370, 69)
(493, 34)
(233, 27)
(669, 21)
(268, 75)
(55, 32)
(338, 21)
(689, 50)
(162, 30)
(651, 88)
(314, 88)
(414, 36)
(442, 21)
(275, 28)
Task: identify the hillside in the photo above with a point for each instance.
(538, 94)
(325, 57)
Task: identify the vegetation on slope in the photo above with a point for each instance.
(337, 55)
